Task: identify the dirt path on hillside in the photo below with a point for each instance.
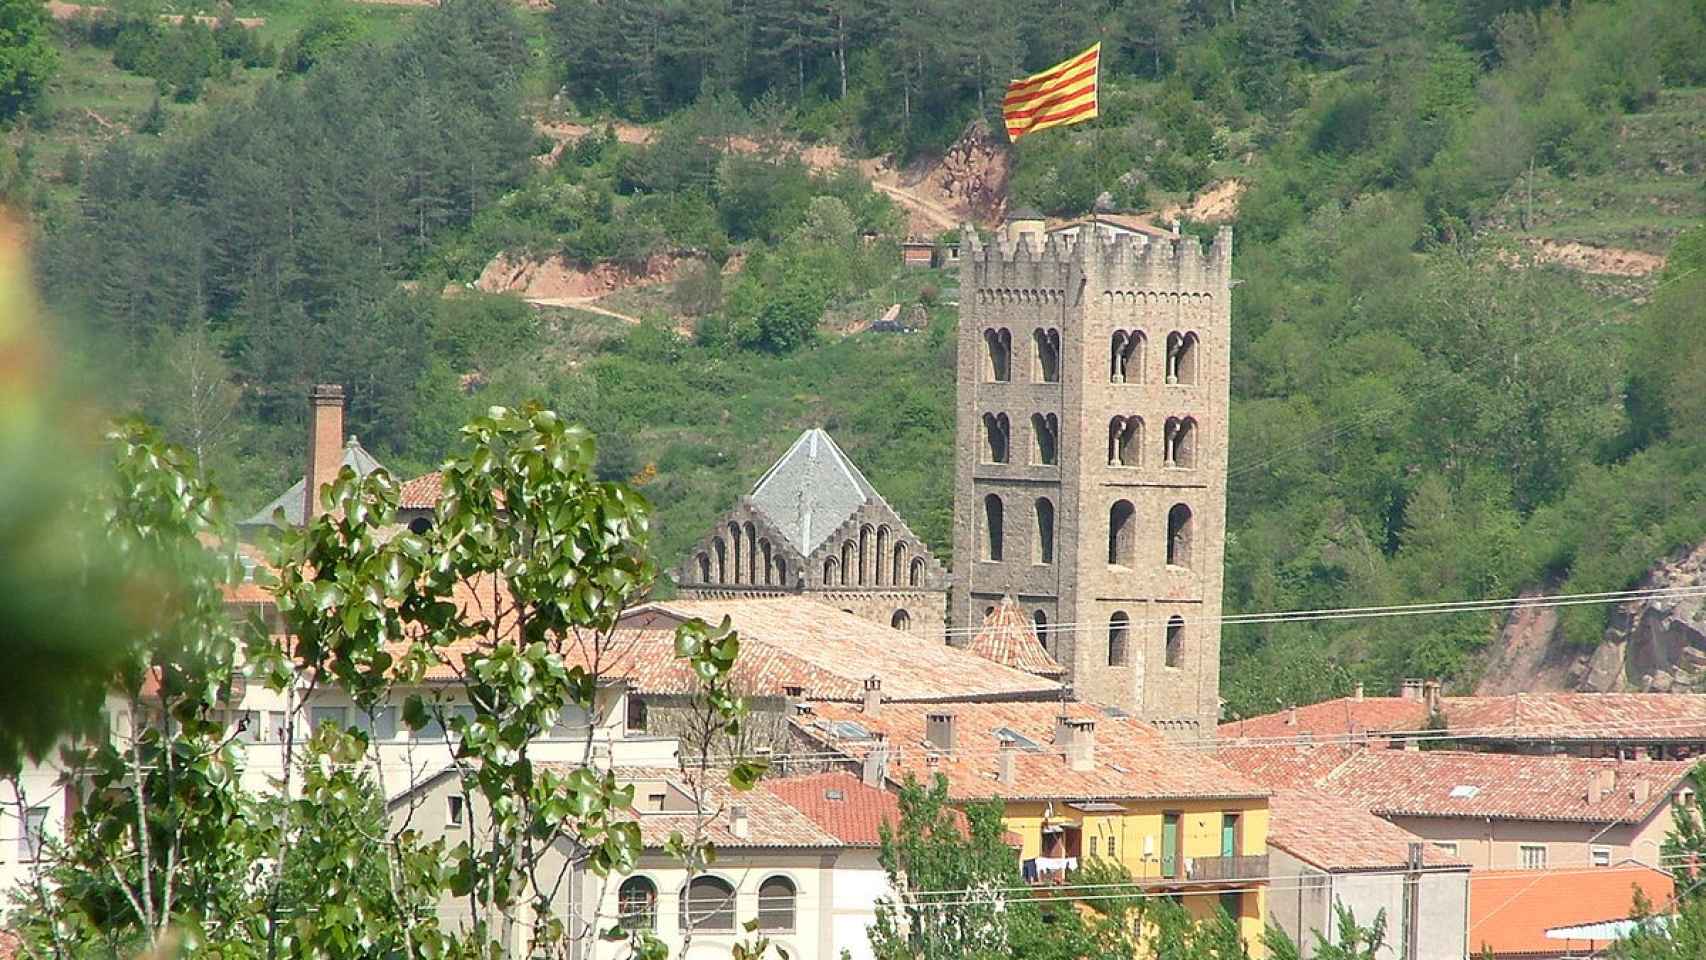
(1605, 261)
(59, 10)
(929, 211)
(587, 304)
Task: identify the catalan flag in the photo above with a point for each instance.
(1064, 93)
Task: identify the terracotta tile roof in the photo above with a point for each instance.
(1510, 911)
(1340, 837)
(833, 652)
(1285, 767)
(1437, 783)
(420, 493)
(839, 803)
(1132, 761)
(1009, 638)
(1333, 718)
(771, 820)
(10, 945)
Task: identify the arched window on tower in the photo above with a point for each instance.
(1045, 430)
(1047, 343)
(722, 552)
(992, 527)
(901, 620)
(766, 562)
(884, 573)
(865, 537)
(998, 355)
(849, 563)
(1182, 358)
(752, 574)
(1180, 446)
(1175, 641)
(831, 572)
(916, 575)
(1039, 622)
(781, 571)
(704, 567)
(1125, 359)
(1122, 534)
(996, 433)
(1125, 442)
(1119, 638)
(1179, 536)
(738, 555)
(897, 566)
(1042, 549)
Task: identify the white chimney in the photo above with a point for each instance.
(1006, 762)
(737, 822)
(876, 763)
(1640, 791)
(1081, 754)
(1357, 695)
(939, 731)
(873, 694)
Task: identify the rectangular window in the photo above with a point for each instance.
(1602, 856)
(1170, 845)
(1533, 856)
(636, 718)
(251, 728)
(1447, 847)
(455, 810)
(275, 726)
(328, 715)
(381, 725)
(34, 827)
(1111, 854)
(1229, 834)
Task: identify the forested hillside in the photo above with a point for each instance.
(1424, 409)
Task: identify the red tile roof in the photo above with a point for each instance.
(1285, 767)
(1510, 911)
(832, 652)
(420, 493)
(1437, 783)
(1338, 836)
(839, 803)
(1333, 718)
(1522, 716)
(1131, 761)
(1009, 638)
(771, 821)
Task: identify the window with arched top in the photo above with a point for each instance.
(1122, 534)
(884, 573)
(704, 567)
(992, 527)
(1039, 623)
(722, 552)
(776, 896)
(766, 563)
(1179, 536)
(1125, 442)
(1182, 358)
(1125, 357)
(637, 904)
(1119, 638)
(831, 572)
(866, 535)
(897, 565)
(1180, 445)
(752, 574)
(849, 565)
(901, 620)
(998, 355)
(708, 903)
(997, 431)
(1042, 546)
(781, 571)
(737, 553)
(1175, 641)
(916, 576)
(1045, 434)
(1047, 343)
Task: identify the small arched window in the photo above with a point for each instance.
(1179, 536)
(781, 572)
(776, 897)
(769, 573)
(1125, 442)
(1119, 638)
(704, 567)
(1122, 534)
(997, 431)
(738, 554)
(884, 574)
(831, 571)
(1180, 447)
(1175, 641)
(992, 527)
(1182, 358)
(998, 355)
(708, 903)
(917, 574)
(866, 534)
(1045, 429)
(1125, 360)
(1039, 622)
(901, 620)
(722, 552)
(1047, 342)
(897, 566)
(637, 904)
(752, 574)
(849, 564)
(1042, 550)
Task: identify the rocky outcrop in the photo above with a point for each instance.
(1657, 644)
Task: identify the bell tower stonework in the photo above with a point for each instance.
(1090, 474)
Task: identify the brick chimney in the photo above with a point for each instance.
(939, 731)
(873, 694)
(325, 443)
(1410, 690)
(1007, 762)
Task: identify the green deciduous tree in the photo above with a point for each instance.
(27, 57)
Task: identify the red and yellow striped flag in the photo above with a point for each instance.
(1064, 93)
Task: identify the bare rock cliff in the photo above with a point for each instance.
(1654, 645)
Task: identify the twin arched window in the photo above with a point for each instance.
(1045, 428)
(1125, 442)
(1047, 343)
(998, 355)
(1125, 359)
(997, 436)
(1182, 358)
(1122, 535)
(1179, 445)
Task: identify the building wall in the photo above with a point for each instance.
(1137, 831)
(1498, 844)
(1302, 904)
(1088, 292)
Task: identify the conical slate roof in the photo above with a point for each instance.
(811, 491)
(1009, 638)
(290, 501)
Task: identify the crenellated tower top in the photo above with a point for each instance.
(1114, 261)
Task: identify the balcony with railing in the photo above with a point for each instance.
(1223, 869)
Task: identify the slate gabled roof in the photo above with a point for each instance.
(355, 457)
(811, 491)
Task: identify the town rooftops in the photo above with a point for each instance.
(1548, 717)
(797, 646)
(1330, 834)
(1112, 757)
(291, 501)
(1009, 638)
(840, 805)
(811, 491)
(1285, 767)
(1510, 911)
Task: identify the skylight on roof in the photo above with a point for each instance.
(1009, 735)
(849, 730)
(1464, 791)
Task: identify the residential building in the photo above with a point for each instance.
(1090, 475)
(1077, 782)
(1517, 915)
(813, 525)
(1493, 811)
(1324, 854)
